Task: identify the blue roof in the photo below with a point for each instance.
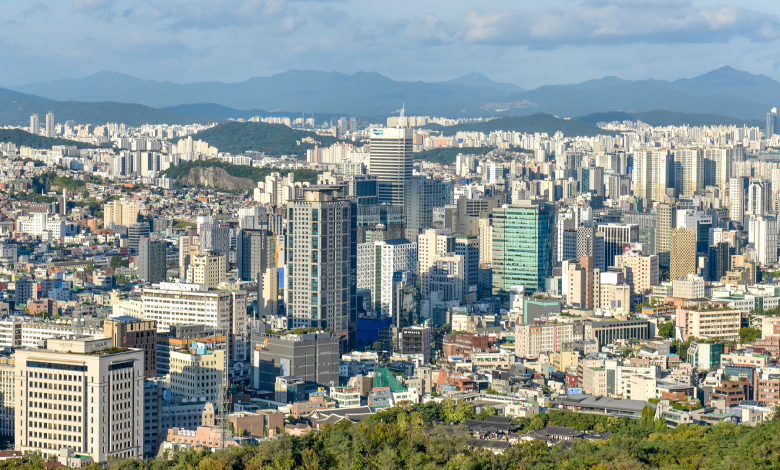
(398, 241)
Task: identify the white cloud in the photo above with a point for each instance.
(599, 22)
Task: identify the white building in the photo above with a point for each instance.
(377, 262)
(78, 395)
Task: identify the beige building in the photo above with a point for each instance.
(688, 287)
(83, 395)
(651, 173)
(689, 171)
(120, 212)
(641, 272)
(563, 360)
(208, 268)
(682, 255)
(485, 241)
(440, 268)
(612, 293)
(197, 377)
(532, 340)
(7, 370)
(708, 322)
(594, 381)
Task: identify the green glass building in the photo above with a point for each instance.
(523, 240)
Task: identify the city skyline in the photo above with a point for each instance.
(513, 43)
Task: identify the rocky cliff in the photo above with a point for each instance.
(212, 177)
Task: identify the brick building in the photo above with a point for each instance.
(465, 344)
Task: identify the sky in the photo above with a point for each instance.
(527, 43)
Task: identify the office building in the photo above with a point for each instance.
(523, 245)
(652, 171)
(607, 331)
(422, 195)
(134, 333)
(381, 222)
(312, 357)
(485, 240)
(321, 260)
(97, 412)
(7, 389)
(213, 234)
(682, 255)
(377, 264)
(207, 268)
(187, 304)
(135, 232)
(417, 340)
(666, 215)
(534, 339)
(256, 260)
(50, 124)
(707, 322)
(120, 212)
(718, 261)
(641, 271)
(616, 238)
(35, 124)
(189, 239)
(151, 261)
(197, 372)
(468, 248)
(440, 268)
(769, 131)
(591, 242)
(391, 163)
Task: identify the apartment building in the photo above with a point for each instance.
(207, 268)
(532, 340)
(80, 394)
(7, 371)
(197, 373)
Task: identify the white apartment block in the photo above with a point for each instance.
(79, 394)
(532, 340)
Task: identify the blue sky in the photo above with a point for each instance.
(528, 43)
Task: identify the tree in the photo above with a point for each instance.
(537, 423)
(117, 262)
(749, 334)
(648, 417)
(90, 266)
(85, 194)
(666, 329)
(376, 346)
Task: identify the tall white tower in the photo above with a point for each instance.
(35, 124)
(50, 124)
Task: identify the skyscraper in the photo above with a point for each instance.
(35, 124)
(718, 261)
(391, 163)
(759, 198)
(151, 260)
(763, 232)
(255, 259)
(523, 239)
(771, 123)
(321, 247)
(50, 124)
(682, 256)
(616, 237)
(422, 195)
(736, 200)
(722, 159)
(135, 232)
(377, 264)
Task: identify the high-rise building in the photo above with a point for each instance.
(616, 238)
(640, 271)
(763, 233)
(135, 232)
(198, 372)
(736, 200)
(35, 124)
(97, 409)
(255, 260)
(440, 267)
(416, 339)
(485, 240)
(523, 245)
(590, 242)
(666, 214)
(771, 124)
(682, 255)
(213, 234)
(312, 357)
(688, 171)
(120, 212)
(422, 195)
(321, 260)
(391, 162)
(718, 261)
(50, 124)
(151, 260)
(377, 264)
(722, 159)
(759, 198)
(190, 238)
(207, 268)
(134, 333)
(468, 248)
(652, 172)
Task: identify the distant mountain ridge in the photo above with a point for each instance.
(725, 91)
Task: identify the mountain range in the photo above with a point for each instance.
(119, 97)
(724, 91)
